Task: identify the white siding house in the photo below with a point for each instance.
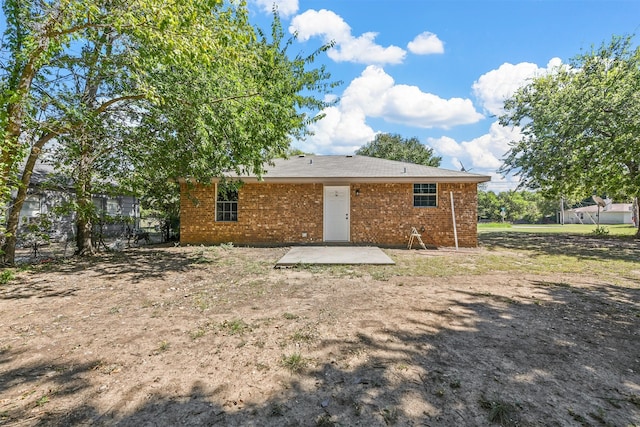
(614, 213)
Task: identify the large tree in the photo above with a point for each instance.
(395, 147)
(38, 98)
(243, 114)
(38, 32)
(193, 74)
(580, 126)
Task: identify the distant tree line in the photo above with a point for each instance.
(516, 206)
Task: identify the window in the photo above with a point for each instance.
(227, 204)
(30, 206)
(425, 195)
(113, 207)
(98, 202)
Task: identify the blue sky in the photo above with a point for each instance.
(439, 70)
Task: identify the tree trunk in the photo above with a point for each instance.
(83, 237)
(84, 224)
(16, 109)
(13, 219)
(636, 214)
(11, 143)
(86, 210)
(9, 155)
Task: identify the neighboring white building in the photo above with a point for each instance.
(614, 213)
(43, 196)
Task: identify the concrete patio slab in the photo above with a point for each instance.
(334, 255)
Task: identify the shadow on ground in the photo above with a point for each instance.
(578, 245)
(570, 358)
(137, 264)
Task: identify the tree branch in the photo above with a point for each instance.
(104, 106)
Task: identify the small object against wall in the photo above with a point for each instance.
(453, 217)
(415, 235)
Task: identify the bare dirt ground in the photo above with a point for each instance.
(217, 336)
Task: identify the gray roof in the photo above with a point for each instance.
(613, 207)
(328, 169)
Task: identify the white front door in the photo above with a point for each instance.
(336, 214)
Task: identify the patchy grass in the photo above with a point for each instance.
(6, 276)
(42, 401)
(522, 253)
(197, 333)
(303, 336)
(294, 362)
(163, 346)
(418, 342)
(500, 412)
(488, 226)
(235, 327)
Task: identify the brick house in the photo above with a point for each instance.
(334, 199)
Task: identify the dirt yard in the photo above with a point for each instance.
(524, 331)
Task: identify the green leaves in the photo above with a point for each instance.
(235, 111)
(580, 126)
(395, 147)
(146, 90)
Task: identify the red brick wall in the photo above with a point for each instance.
(267, 214)
(384, 214)
(381, 214)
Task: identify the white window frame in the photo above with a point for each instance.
(232, 213)
(28, 211)
(433, 194)
(112, 202)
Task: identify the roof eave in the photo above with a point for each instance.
(359, 180)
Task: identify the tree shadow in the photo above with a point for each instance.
(37, 290)
(563, 356)
(144, 263)
(136, 265)
(576, 245)
(39, 382)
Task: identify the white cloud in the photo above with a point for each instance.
(323, 23)
(446, 146)
(332, 28)
(494, 87)
(426, 44)
(501, 183)
(374, 94)
(410, 106)
(338, 132)
(484, 153)
(285, 7)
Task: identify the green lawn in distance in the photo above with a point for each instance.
(614, 229)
